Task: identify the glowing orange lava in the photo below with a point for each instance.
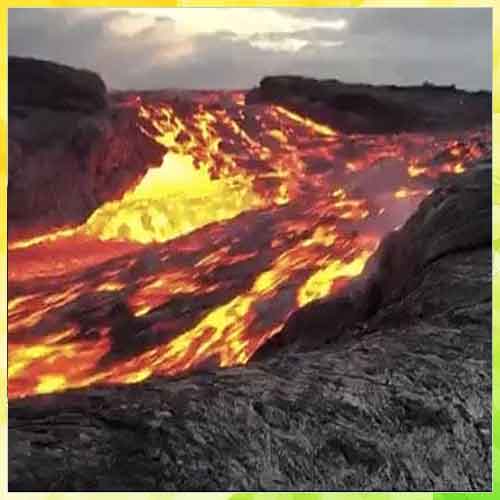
(255, 211)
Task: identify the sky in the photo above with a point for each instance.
(234, 48)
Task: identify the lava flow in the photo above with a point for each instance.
(254, 212)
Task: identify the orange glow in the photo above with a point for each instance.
(322, 281)
(255, 211)
(457, 168)
(352, 209)
(415, 171)
(172, 200)
(404, 192)
(44, 238)
(179, 196)
(316, 128)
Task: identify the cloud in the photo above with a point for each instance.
(439, 24)
(285, 44)
(235, 48)
(244, 21)
(294, 42)
(435, 22)
(109, 41)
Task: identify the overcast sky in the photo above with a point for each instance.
(235, 48)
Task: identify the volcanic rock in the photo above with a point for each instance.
(400, 400)
(45, 84)
(70, 147)
(363, 108)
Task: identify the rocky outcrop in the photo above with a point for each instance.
(351, 107)
(399, 401)
(70, 146)
(44, 84)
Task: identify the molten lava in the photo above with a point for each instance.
(160, 209)
(255, 211)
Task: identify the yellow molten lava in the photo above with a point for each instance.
(50, 383)
(404, 192)
(172, 200)
(44, 238)
(183, 194)
(320, 283)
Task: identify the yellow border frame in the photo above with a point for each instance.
(241, 3)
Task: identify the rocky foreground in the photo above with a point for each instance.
(385, 388)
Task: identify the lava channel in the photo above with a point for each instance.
(255, 212)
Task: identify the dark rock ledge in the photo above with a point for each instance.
(71, 146)
(401, 401)
(360, 107)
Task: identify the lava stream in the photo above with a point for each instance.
(254, 212)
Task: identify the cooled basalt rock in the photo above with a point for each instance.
(45, 84)
(400, 401)
(70, 147)
(352, 107)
